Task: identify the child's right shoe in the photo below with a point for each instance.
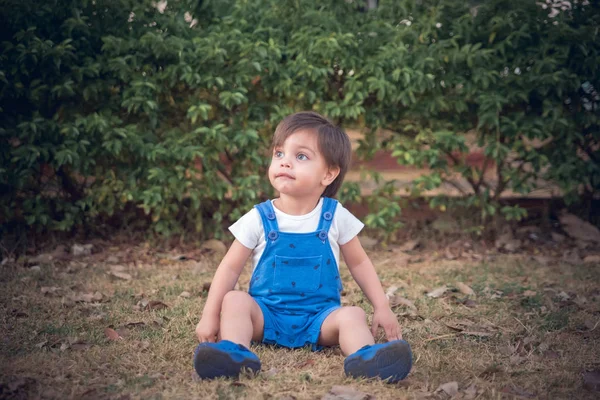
(391, 361)
(223, 359)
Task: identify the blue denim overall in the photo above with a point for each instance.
(296, 282)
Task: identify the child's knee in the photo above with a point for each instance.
(352, 314)
(236, 300)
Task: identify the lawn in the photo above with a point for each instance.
(119, 323)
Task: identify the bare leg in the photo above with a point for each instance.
(346, 326)
(241, 319)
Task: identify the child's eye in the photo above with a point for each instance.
(278, 154)
(302, 157)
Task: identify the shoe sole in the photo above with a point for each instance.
(211, 363)
(392, 363)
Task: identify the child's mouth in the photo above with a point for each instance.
(284, 176)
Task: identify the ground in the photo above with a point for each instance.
(119, 323)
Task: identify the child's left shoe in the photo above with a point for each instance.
(223, 359)
(391, 361)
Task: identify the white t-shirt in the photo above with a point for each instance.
(249, 231)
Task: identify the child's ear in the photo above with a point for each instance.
(330, 176)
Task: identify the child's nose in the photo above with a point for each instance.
(284, 162)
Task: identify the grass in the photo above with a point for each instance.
(527, 333)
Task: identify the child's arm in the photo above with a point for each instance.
(223, 281)
(364, 274)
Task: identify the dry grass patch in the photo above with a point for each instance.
(123, 327)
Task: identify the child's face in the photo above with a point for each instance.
(298, 169)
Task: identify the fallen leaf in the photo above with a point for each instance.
(435, 293)
(390, 292)
(593, 259)
(464, 289)
(529, 293)
(78, 346)
(305, 363)
(470, 393)
(50, 289)
(399, 300)
(450, 388)
(134, 324)
(118, 268)
(111, 334)
(185, 295)
(156, 305)
(579, 229)
(81, 249)
(449, 255)
(121, 275)
(86, 297)
(409, 246)
(339, 392)
(214, 245)
(591, 380)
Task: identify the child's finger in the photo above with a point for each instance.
(374, 329)
(391, 333)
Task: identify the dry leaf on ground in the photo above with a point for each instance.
(578, 228)
(156, 305)
(409, 246)
(437, 292)
(185, 295)
(464, 289)
(111, 334)
(592, 259)
(86, 297)
(390, 292)
(450, 388)
(401, 301)
(121, 275)
(214, 245)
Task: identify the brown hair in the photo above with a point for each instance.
(333, 142)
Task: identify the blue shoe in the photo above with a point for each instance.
(223, 359)
(391, 361)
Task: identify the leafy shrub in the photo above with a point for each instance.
(146, 114)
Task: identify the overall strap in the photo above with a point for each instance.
(327, 213)
(269, 220)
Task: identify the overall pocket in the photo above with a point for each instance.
(297, 274)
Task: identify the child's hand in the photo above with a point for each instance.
(207, 329)
(386, 318)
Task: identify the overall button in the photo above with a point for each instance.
(273, 235)
(328, 216)
(271, 216)
(322, 235)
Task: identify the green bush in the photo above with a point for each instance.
(119, 111)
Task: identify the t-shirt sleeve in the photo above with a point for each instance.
(248, 229)
(348, 225)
